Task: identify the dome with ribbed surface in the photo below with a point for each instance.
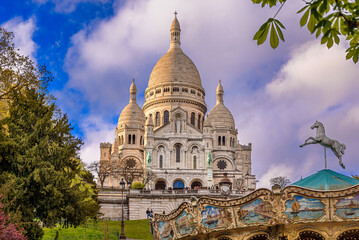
(220, 116)
(175, 67)
(132, 115)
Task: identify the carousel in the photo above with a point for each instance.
(323, 206)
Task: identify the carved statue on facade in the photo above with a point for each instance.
(148, 158)
(178, 126)
(209, 159)
(337, 147)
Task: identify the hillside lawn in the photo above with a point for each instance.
(134, 229)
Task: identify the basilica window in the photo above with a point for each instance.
(157, 119)
(219, 140)
(133, 139)
(167, 89)
(161, 161)
(175, 89)
(141, 143)
(178, 152)
(224, 141)
(193, 91)
(222, 164)
(166, 117)
(152, 93)
(158, 91)
(185, 90)
(199, 121)
(194, 162)
(193, 118)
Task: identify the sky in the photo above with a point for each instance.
(95, 47)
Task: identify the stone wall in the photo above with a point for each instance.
(137, 201)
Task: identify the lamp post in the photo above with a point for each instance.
(226, 186)
(122, 236)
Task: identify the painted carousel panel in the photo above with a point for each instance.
(185, 223)
(165, 230)
(303, 208)
(348, 207)
(215, 217)
(256, 212)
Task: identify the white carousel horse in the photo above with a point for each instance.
(337, 147)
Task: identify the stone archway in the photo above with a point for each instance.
(310, 235)
(178, 184)
(350, 234)
(196, 184)
(160, 185)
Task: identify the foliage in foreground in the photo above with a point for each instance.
(329, 19)
(42, 180)
(136, 229)
(8, 230)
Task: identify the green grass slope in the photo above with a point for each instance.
(134, 229)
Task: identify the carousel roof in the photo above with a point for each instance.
(326, 180)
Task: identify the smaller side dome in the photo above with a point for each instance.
(132, 115)
(220, 116)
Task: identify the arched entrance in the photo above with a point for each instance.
(310, 235)
(259, 237)
(178, 184)
(160, 185)
(196, 185)
(350, 234)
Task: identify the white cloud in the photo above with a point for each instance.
(314, 84)
(273, 171)
(23, 31)
(96, 130)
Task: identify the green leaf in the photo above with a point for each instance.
(355, 57)
(279, 32)
(330, 42)
(349, 54)
(274, 41)
(304, 18)
(301, 10)
(263, 37)
(311, 23)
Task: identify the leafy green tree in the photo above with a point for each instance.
(17, 71)
(39, 163)
(329, 19)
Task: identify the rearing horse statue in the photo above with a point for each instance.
(337, 147)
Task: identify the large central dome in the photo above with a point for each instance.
(175, 67)
(174, 82)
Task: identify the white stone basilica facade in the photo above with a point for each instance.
(172, 137)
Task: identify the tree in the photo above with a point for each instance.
(329, 19)
(18, 71)
(149, 177)
(102, 169)
(41, 176)
(281, 181)
(131, 170)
